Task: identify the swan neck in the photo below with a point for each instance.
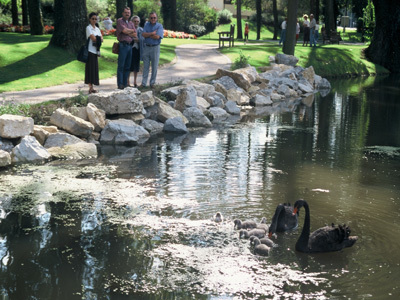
(302, 243)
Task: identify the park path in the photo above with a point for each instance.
(192, 61)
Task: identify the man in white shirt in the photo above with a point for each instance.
(283, 33)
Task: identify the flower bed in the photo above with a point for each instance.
(178, 35)
(23, 29)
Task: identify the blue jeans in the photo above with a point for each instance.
(124, 64)
(151, 55)
(311, 36)
(316, 36)
(283, 37)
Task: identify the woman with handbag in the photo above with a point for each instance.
(136, 51)
(92, 65)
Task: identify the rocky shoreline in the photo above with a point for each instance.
(130, 117)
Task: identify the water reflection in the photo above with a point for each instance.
(137, 222)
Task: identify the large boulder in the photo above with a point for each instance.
(74, 151)
(118, 102)
(123, 132)
(309, 75)
(29, 150)
(242, 80)
(61, 139)
(6, 145)
(232, 108)
(12, 126)
(216, 99)
(218, 114)
(261, 100)
(164, 112)
(40, 134)
(285, 59)
(186, 98)
(5, 158)
(202, 89)
(196, 117)
(147, 99)
(175, 125)
(74, 125)
(153, 127)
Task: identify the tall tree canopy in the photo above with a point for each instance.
(385, 44)
(70, 21)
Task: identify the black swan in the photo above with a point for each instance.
(245, 224)
(245, 234)
(325, 239)
(283, 219)
(259, 248)
(218, 217)
(266, 241)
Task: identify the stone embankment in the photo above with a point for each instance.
(129, 117)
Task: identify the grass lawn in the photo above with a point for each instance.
(27, 62)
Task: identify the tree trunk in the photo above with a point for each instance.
(276, 21)
(258, 14)
(317, 4)
(70, 21)
(24, 6)
(312, 7)
(165, 11)
(239, 19)
(329, 17)
(14, 12)
(173, 15)
(130, 5)
(35, 16)
(120, 4)
(385, 44)
(290, 43)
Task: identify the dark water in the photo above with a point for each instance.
(136, 223)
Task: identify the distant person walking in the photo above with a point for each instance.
(126, 32)
(136, 50)
(153, 32)
(306, 28)
(92, 65)
(312, 29)
(297, 31)
(246, 32)
(283, 32)
(107, 23)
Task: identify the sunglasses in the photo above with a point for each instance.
(153, 17)
(94, 19)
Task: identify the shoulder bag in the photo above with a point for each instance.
(84, 52)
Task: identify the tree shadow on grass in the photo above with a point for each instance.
(18, 38)
(43, 61)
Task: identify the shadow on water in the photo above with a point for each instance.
(136, 222)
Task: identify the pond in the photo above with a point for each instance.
(136, 223)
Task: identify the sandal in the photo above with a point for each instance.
(92, 91)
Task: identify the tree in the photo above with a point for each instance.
(168, 10)
(121, 4)
(70, 21)
(239, 19)
(290, 43)
(329, 17)
(24, 7)
(276, 21)
(258, 14)
(35, 17)
(385, 44)
(14, 12)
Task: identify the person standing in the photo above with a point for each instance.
(316, 33)
(92, 65)
(283, 33)
(312, 29)
(152, 33)
(306, 27)
(107, 22)
(126, 32)
(136, 50)
(297, 31)
(246, 32)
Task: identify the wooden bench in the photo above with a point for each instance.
(334, 37)
(227, 36)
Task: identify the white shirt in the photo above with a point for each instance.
(96, 32)
(297, 28)
(107, 23)
(316, 27)
(306, 23)
(283, 25)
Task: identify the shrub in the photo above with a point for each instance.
(241, 62)
(143, 8)
(191, 12)
(197, 30)
(224, 16)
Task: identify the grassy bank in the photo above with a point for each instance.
(27, 62)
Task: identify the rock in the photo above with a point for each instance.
(305, 88)
(242, 80)
(118, 102)
(74, 125)
(216, 99)
(186, 98)
(175, 125)
(96, 116)
(12, 126)
(123, 132)
(221, 89)
(6, 145)
(218, 114)
(202, 103)
(324, 84)
(309, 75)
(260, 100)
(49, 129)
(61, 139)
(225, 82)
(5, 158)
(75, 151)
(79, 112)
(147, 99)
(40, 134)
(196, 118)
(232, 108)
(29, 150)
(234, 95)
(202, 89)
(153, 127)
(286, 81)
(309, 100)
(172, 92)
(283, 89)
(244, 100)
(250, 72)
(137, 118)
(165, 112)
(284, 59)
